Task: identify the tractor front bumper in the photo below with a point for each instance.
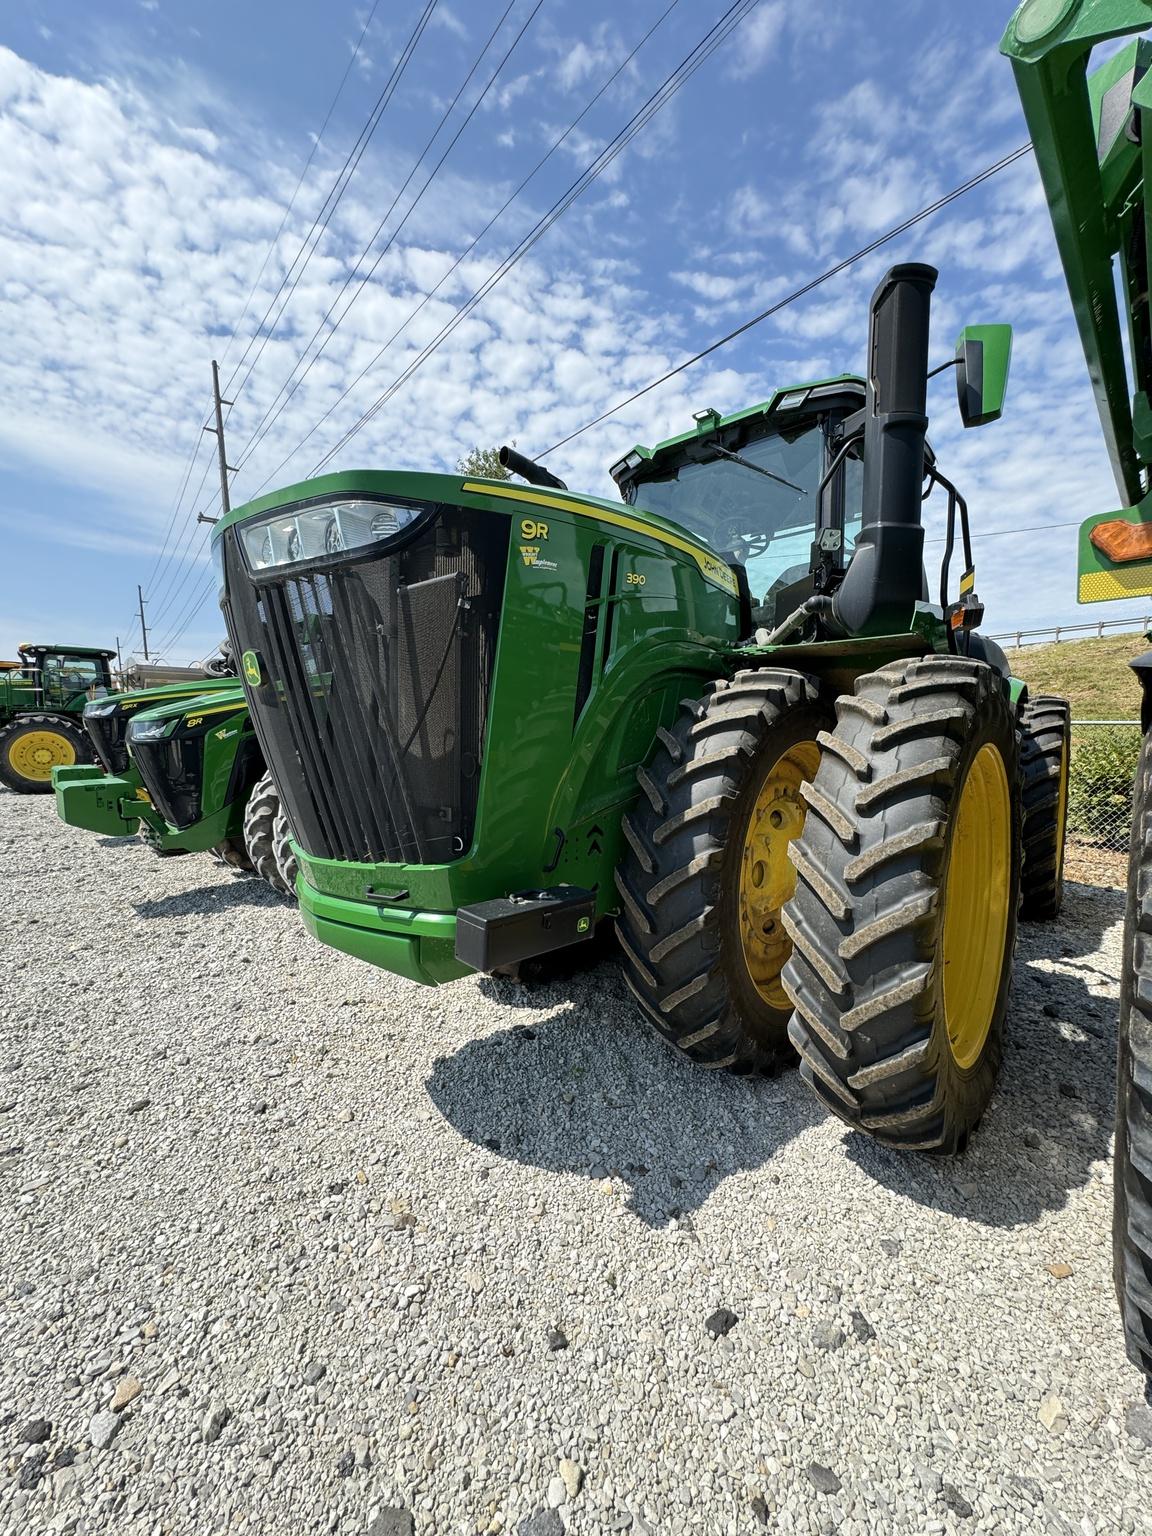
(418, 945)
(88, 797)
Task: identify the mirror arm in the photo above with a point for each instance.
(953, 362)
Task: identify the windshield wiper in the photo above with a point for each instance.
(726, 453)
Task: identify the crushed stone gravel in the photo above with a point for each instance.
(287, 1243)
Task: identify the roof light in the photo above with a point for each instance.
(707, 418)
(792, 401)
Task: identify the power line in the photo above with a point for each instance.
(698, 55)
(328, 207)
(799, 293)
(198, 442)
(702, 50)
(1005, 533)
(278, 405)
(300, 179)
(472, 244)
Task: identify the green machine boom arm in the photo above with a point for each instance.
(1094, 155)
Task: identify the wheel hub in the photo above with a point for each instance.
(35, 754)
(767, 875)
(976, 897)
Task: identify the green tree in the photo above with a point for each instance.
(483, 463)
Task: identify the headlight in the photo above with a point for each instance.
(147, 730)
(315, 532)
(102, 707)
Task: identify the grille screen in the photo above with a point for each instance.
(375, 675)
(172, 772)
(107, 733)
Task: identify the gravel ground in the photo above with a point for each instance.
(288, 1244)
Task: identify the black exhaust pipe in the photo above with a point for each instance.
(886, 577)
(529, 470)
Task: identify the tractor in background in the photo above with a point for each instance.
(730, 713)
(42, 697)
(180, 767)
(1093, 148)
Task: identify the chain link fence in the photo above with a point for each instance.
(1103, 768)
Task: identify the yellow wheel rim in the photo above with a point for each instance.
(1062, 810)
(34, 755)
(976, 898)
(767, 876)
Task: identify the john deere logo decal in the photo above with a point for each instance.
(251, 664)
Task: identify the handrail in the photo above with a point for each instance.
(1132, 626)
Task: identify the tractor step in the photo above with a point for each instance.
(523, 925)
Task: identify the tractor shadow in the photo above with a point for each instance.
(578, 1085)
(205, 900)
(1051, 1119)
(583, 1087)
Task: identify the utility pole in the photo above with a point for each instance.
(218, 433)
(119, 662)
(143, 626)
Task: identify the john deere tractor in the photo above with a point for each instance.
(1093, 148)
(730, 713)
(41, 699)
(180, 765)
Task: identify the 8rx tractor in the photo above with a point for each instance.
(732, 713)
(180, 766)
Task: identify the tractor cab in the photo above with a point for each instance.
(749, 484)
(64, 677)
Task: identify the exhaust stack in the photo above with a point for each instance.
(529, 470)
(886, 577)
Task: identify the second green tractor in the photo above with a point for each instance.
(180, 766)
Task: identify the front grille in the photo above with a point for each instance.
(172, 772)
(107, 733)
(375, 669)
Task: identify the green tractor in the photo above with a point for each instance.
(1094, 152)
(42, 697)
(729, 713)
(180, 766)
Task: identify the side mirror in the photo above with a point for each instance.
(983, 354)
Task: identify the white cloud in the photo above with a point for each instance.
(755, 40)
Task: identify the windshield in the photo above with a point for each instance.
(760, 523)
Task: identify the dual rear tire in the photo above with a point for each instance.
(264, 836)
(1132, 1223)
(857, 877)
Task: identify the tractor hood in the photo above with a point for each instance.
(106, 720)
(310, 537)
(178, 745)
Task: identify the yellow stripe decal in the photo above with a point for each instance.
(217, 709)
(712, 568)
(967, 582)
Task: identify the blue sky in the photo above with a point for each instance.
(149, 148)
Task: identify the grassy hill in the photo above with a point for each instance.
(1093, 674)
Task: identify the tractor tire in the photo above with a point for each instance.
(259, 829)
(1132, 1221)
(706, 872)
(233, 853)
(904, 918)
(1045, 754)
(286, 861)
(32, 745)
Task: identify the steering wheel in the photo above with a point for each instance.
(730, 532)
